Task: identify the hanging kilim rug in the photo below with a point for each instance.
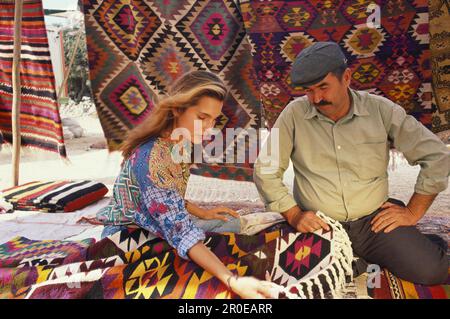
(138, 48)
(389, 56)
(440, 61)
(40, 123)
(130, 265)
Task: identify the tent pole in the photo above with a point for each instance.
(16, 140)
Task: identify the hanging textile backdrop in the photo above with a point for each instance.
(391, 59)
(40, 123)
(138, 48)
(440, 60)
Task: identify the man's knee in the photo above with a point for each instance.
(414, 258)
(434, 273)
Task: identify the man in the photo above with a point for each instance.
(338, 140)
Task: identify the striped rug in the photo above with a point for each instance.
(393, 287)
(40, 122)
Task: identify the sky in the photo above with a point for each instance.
(60, 4)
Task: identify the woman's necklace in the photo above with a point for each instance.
(185, 171)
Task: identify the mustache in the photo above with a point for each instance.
(322, 103)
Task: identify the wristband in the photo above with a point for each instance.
(228, 280)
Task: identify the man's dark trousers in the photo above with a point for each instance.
(405, 251)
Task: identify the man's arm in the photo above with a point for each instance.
(420, 147)
(272, 162)
(268, 176)
(394, 216)
(419, 204)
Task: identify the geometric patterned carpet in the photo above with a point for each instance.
(440, 61)
(390, 58)
(138, 48)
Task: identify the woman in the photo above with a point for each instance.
(151, 185)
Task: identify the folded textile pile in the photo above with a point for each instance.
(5, 207)
(55, 196)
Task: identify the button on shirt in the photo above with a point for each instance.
(341, 167)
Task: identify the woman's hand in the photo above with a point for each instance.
(245, 287)
(218, 213)
(215, 213)
(252, 288)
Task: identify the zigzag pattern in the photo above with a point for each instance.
(152, 269)
(21, 249)
(171, 50)
(193, 27)
(129, 26)
(388, 59)
(166, 58)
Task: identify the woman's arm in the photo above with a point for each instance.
(164, 213)
(245, 287)
(206, 259)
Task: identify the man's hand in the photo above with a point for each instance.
(391, 217)
(304, 221)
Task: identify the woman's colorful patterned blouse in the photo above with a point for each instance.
(149, 192)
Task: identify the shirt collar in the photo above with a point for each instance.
(356, 108)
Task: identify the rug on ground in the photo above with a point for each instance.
(153, 43)
(40, 122)
(435, 224)
(392, 287)
(128, 265)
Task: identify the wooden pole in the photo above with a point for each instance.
(16, 140)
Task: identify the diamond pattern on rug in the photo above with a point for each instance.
(170, 11)
(152, 43)
(129, 96)
(367, 72)
(129, 24)
(440, 62)
(391, 59)
(363, 41)
(167, 57)
(214, 29)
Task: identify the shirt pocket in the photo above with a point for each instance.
(372, 156)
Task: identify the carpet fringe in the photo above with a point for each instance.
(340, 267)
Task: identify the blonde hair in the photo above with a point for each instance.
(184, 93)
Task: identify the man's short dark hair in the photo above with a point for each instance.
(339, 71)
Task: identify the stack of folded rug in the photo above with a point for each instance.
(55, 196)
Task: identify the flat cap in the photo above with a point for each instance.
(313, 63)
